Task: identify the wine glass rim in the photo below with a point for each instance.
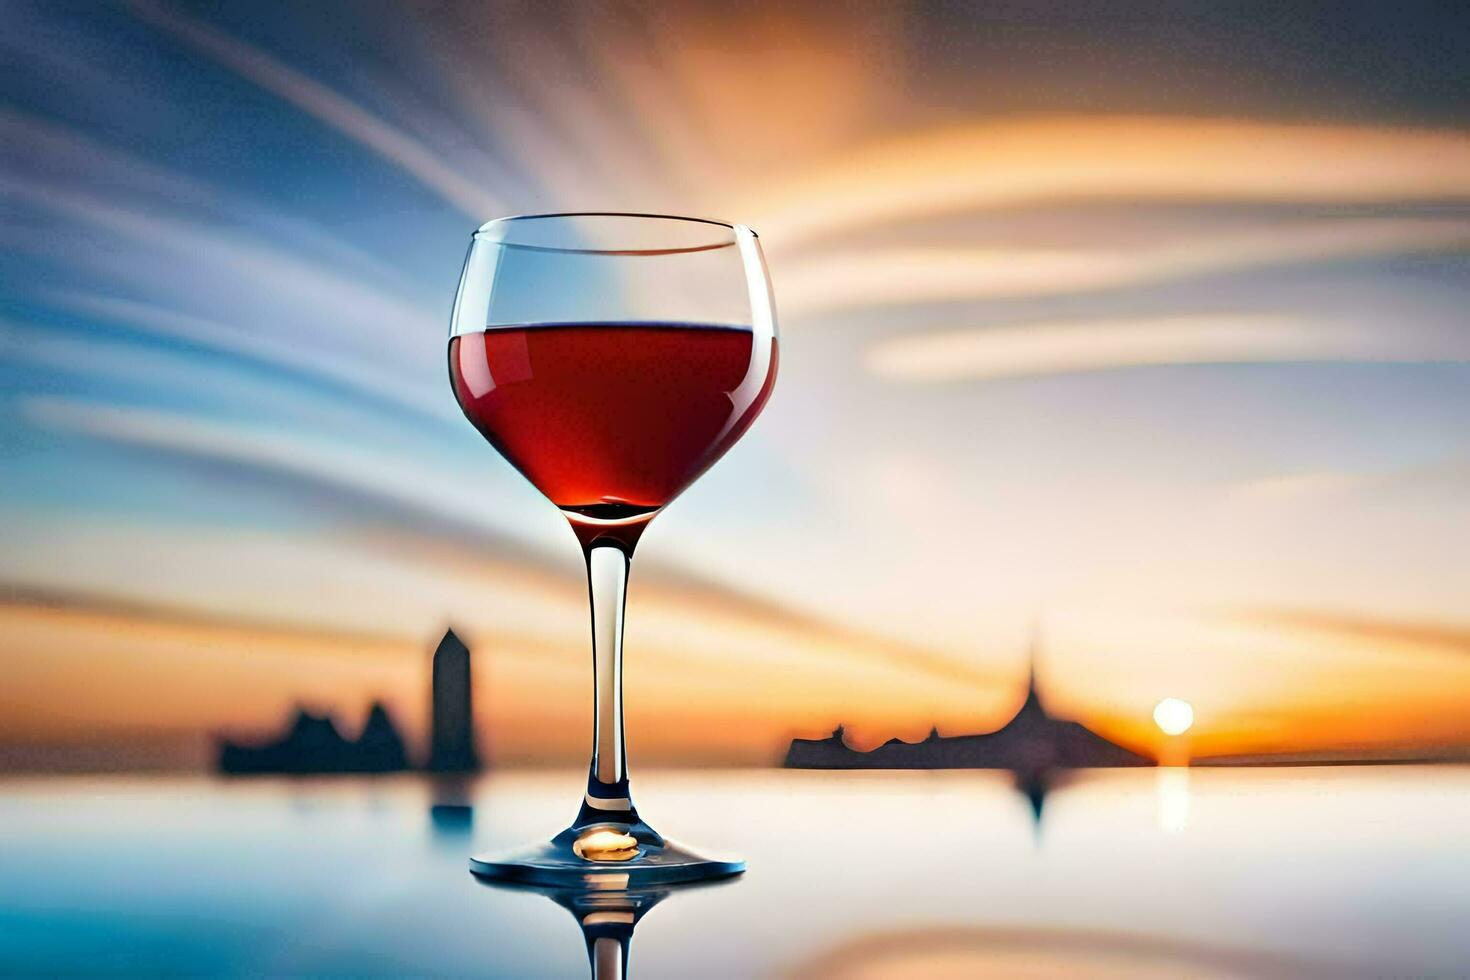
(489, 228)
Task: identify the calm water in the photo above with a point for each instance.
(1289, 872)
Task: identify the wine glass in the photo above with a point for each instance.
(611, 359)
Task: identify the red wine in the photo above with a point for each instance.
(611, 421)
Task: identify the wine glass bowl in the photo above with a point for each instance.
(611, 359)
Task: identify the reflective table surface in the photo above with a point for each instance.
(1332, 872)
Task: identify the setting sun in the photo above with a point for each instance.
(1173, 716)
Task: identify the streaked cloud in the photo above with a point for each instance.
(1399, 634)
(1064, 347)
(1450, 473)
(834, 280)
(1006, 162)
(227, 266)
(154, 616)
(41, 156)
(436, 525)
(40, 148)
(529, 632)
(1301, 486)
(354, 474)
(331, 108)
(364, 379)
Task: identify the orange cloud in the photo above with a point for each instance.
(1400, 634)
(834, 279)
(1006, 162)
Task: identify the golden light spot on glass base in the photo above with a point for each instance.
(604, 844)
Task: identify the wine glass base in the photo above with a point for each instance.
(556, 864)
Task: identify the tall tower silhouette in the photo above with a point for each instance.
(452, 742)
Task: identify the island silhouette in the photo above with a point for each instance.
(1031, 743)
(312, 744)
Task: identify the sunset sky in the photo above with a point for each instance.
(1141, 333)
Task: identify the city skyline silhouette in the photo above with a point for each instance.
(1031, 742)
(312, 743)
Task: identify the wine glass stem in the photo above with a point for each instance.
(607, 582)
(609, 958)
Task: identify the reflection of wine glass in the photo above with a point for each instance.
(611, 358)
(607, 918)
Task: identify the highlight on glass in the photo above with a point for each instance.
(611, 359)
